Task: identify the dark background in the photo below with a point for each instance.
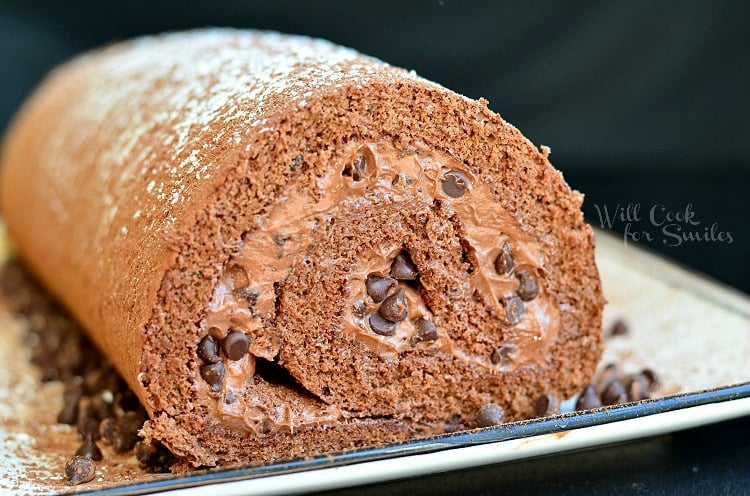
(641, 102)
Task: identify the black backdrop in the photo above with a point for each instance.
(642, 102)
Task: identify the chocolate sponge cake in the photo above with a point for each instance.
(288, 248)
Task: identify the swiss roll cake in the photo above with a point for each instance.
(288, 248)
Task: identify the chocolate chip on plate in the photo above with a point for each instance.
(637, 388)
(214, 375)
(394, 308)
(489, 415)
(426, 330)
(403, 268)
(90, 449)
(502, 355)
(454, 183)
(123, 433)
(379, 287)
(514, 310)
(619, 328)
(614, 393)
(527, 286)
(381, 326)
(208, 349)
(79, 469)
(235, 345)
(547, 404)
(606, 377)
(588, 399)
(504, 262)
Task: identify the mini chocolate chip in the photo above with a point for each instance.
(90, 449)
(403, 268)
(653, 379)
(637, 387)
(235, 345)
(297, 162)
(454, 183)
(79, 469)
(359, 309)
(381, 326)
(614, 393)
(123, 432)
(548, 404)
(394, 308)
(502, 355)
(527, 286)
(619, 328)
(247, 294)
(208, 349)
(153, 456)
(264, 426)
(514, 310)
(214, 375)
(489, 415)
(426, 330)
(379, 287)
(588, 399)
(504, 262)
(607, 376)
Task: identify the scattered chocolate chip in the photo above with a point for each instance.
(87, 423)
(235, 345)
(214, 375)
(153, 456)
(653, 379)
(504, 262)
(379, 287)
(588, 399)
(403, 268)
(514, 310)
(619, 328)
(454, 183)
(381, 326)
(502, 355)
(79, 469)
(247, 294)
(527, 286)
(264, 426)
(426, 330)
(548, 404)
(394, 308)
(606, 377)
(489, 415)
(123, 432)
(637, 387)
(614, 393)
(359, 309)
(208, 349)
(90, 449)
(71, 398)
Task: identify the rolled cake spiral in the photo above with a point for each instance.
(287, 248)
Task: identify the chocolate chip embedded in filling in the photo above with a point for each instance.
(247, 294)
(403, 268)
(381, 326)
(394, 308)
(454, 183)
(502, 355)
(489, 415)
(514, 310)
(379, 287)
(527, 287)
(235, 345)
(426, 330)
(504, 262)
(208, 349)
(362, 164)
(214, 375)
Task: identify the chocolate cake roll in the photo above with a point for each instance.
(288, 248)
